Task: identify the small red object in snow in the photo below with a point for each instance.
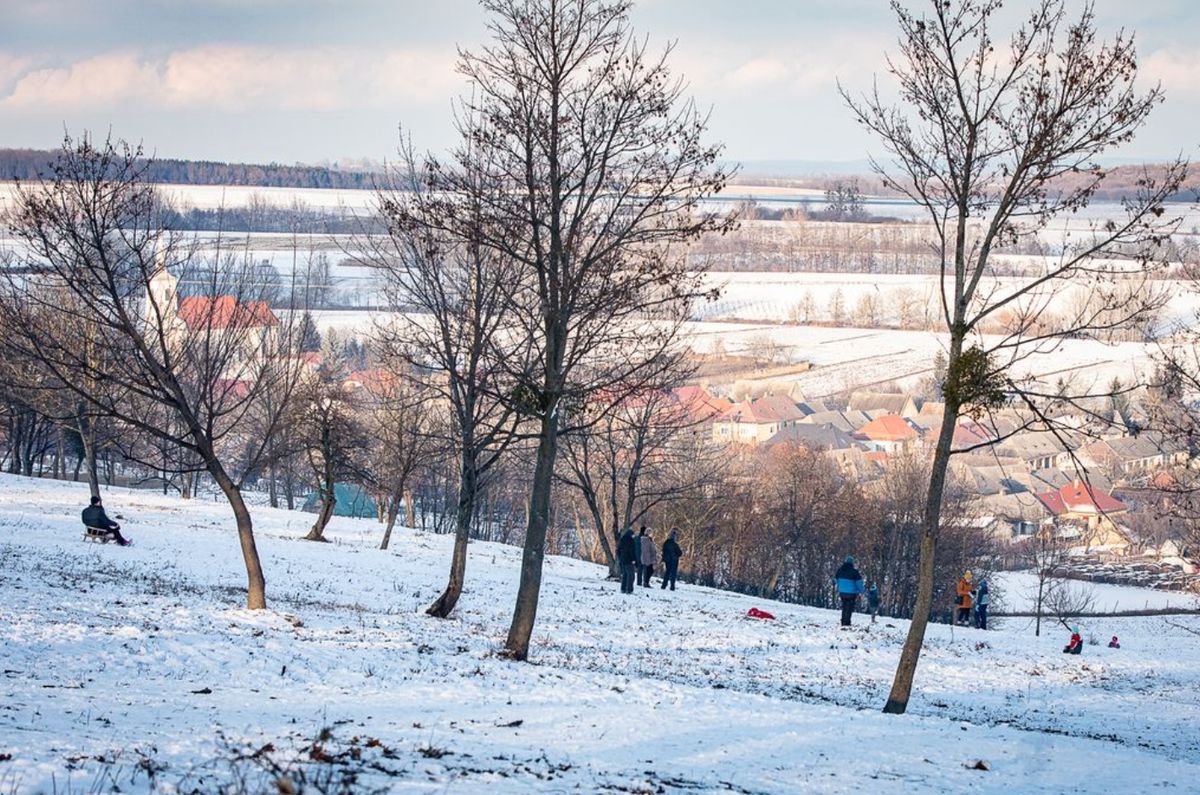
(754, 612)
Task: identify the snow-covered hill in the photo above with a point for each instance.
(132, 667)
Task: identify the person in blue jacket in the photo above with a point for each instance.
(982, 599)
(849, 585)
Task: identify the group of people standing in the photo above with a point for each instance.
(637, 557)
(971, 599)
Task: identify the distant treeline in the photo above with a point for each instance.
(28, 164)
(1120, 182)
(298, 220)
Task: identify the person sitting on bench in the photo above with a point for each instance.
(95, 517)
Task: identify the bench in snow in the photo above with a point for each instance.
(98, 535)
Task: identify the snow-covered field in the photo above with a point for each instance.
(850, 358)
(124, 664)
(1020, 595)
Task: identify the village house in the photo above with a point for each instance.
(1134, 456)
(846, 421)
(1078, 506)
(815, 437)
(888, 433)
(755, 421)
(876, 403)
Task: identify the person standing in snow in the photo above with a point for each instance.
(849, 585)
(1075, 646)
(981, 605)
(671, 554)
(873, 601)
(962, 599)
(626, 557)
(94, 516)
(649, 555)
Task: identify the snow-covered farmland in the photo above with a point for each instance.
(850, 358)
(126, 666)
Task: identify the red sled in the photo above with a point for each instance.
(754, 612)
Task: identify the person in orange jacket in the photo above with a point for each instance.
(963, 600)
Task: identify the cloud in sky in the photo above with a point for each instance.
(223, 77)
(315, 79)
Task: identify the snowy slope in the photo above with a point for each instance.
(119, 663)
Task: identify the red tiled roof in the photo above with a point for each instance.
(225, 312)
(772, 408)
(1077, 497)
(699, 404)
(888, 428)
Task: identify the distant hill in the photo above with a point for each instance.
(27, 164)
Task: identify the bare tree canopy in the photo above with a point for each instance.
(980, 133)
(595, 166)
(97, 307)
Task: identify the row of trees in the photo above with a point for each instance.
(543, 276)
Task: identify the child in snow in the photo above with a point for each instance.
(1114, 643)
(873, 601)
(981, 605)
(1076, 644)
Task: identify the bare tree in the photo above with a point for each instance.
(403, 439)
(983, 138)
(332, 434)
(450, 295)
(189, 372)
(1045, 554)
(594, 168)
(640, 455)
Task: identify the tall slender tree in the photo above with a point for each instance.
(595, 169)
(994, 140)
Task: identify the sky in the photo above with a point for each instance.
(319, 81)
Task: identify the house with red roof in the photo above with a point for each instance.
(700, 405)
(1077, 504)
(888, 433)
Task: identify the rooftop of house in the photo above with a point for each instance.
(848, 421)
(765, 410)
(825, 436)
(699, 403)
(892, 403)
(888, 428)
(223, 312)
(1079, 496)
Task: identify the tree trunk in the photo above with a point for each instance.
(87, 435)
(525, 613)
(256, 584)
(328, 502)
(410, 510)
(897, 701)
(393, 510)
(60, 463)
(272, 486)
(468, 485)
